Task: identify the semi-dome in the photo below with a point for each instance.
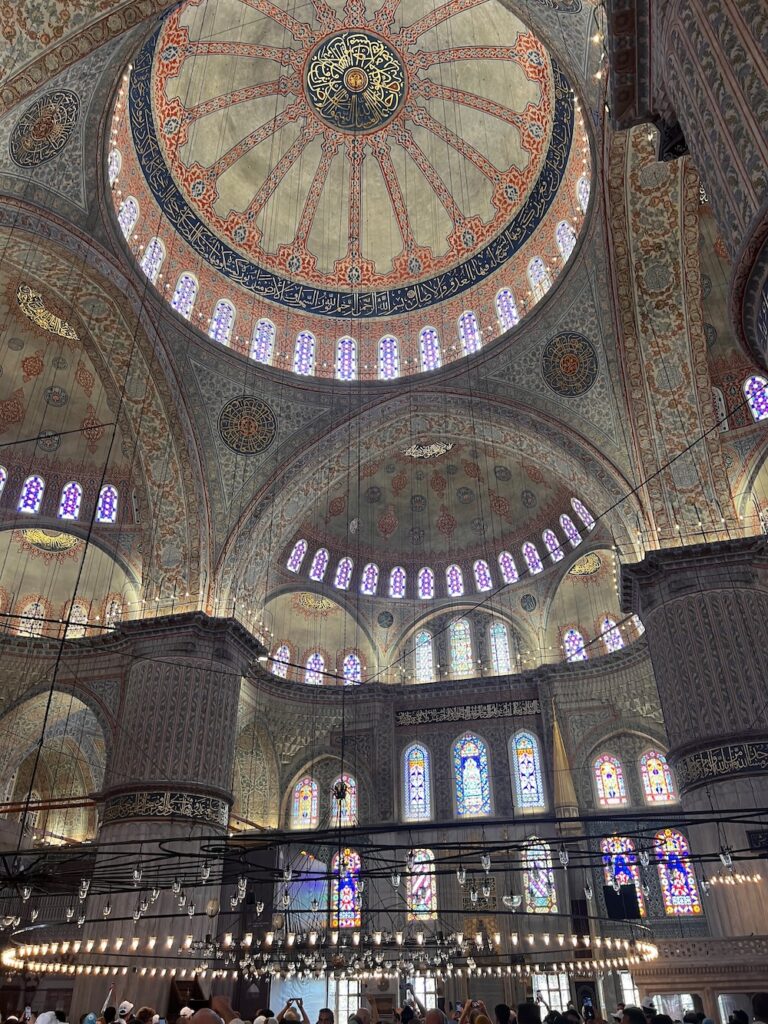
(359, 193)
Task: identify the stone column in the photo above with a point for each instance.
(705, 611)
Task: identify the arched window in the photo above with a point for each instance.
(305, 810)
(508, 568)
(429, 345)
(526, 771)
(678, 882)
(720, 409)
(638, 625)
(506, 309)
(566, 239)
(297, 556)
(609, 781)
(422, 894)
(470, 777)
(611, 635)
(620, 865)
(352, 669)
(469, 333)
(114, 164)
(553, 545)
(532, 558)
(538, 878)
(483, 580)
(152, 260)
(344, 812)
(319, 565)
(389, 358)
(3, 478)
(70, 501)
(569, 529)
(454, 581)
(263, 341)
(462, 664)
(31, 619)
(658, 784)
(304, 354)
(314, 669)
(113, 613)
(343, 575)
(280, 660)
(127, 216)
(397, 582)
(346, 359)
(539, 278)
(31, 495)
(345, 890)
(78, 620)
(583, 513)
(222, 321)
(502, 663)
(369, 581)
(417, 783)
(424, 662)
(426, 583)
(573, 645)
(582, 192)
(756, 393)
(184, 295)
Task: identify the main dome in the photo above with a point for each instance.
(339, 172)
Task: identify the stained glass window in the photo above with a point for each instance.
(3, 478)
(423, 657)
(352, 669)
(31, 495)
(222, 321)
(569, 529)
(31, 619)
(417, 795)
(506, 309)
(397, 581)
(297, 555)
(106, 506)
(113, 613)
(429, 343)
(454, 580)
(369, 581)
(526, 771)
(612, 637)
(114, 163)
(319, 565)
(345, 890)
(426, 583)
(508, 568)
(71, 498)
(609, 781)
(422, 894)
(658, 784)
(346, 359)
(483, 580)
(470, 777)
(566, 239)
(314, 669)
(305, 810)
(469, 333)
(620, 865)
(756, 394)
(304, 354)
(462, 664)
(638, 625)
(343, 574)
(184, 295)
(583, 513)
(78, 620)
(280, 660)
(553, 545)
(263, 341)
(582, 192)
(678, 882)
(344, 812)
(127, 216)
(502, 663)
(539, 278)
(532, 558)
(152, 260)
(573, 645)
(538, 878)
(389, 358)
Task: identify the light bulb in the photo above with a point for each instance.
(485, 862)
(205, 871)
(137, 874)
(395, 879)
(564, 857)
(176, 886)
(259, 907)
(473, 894)
(461, 875)
(588, 891)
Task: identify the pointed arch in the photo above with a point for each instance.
(280, 660)
(460, 639)
(508, 568)
(553, 545)
(525, 761)
(583, 513)
(344, 812)
(31, 618)
(343, 576)
(346, 358)
(222, 322)
(304, 354)
(319, 565)
(583, 189)
(423, 656)
(78, 620)
(417, 783)
(483, 579)
(314, 669)
(676, 877)
(397, 582)
(565, 235)
(500, 653)
(305, 813)
(532, 558)
(539, 278)
(389, 358)
(114, 165)
(421, 896)
(127, 216)
(425, 582)
(429, 347)
(568, 527)
(469, 333)
(263, 341)
(574, 646)
(656, 775)
(31, 496)
(611, 634)
(184, 295)
(755, 390)
(70, 500)
(609, 781)
(471, 777)
(352, 669)
(539, 878)
(107, 505)
(454, 581)
(297, 555)
(153, 258)
(369, 580)
(506, 310)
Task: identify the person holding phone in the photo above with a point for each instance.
(293, 1011)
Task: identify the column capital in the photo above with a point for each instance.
(194, 636)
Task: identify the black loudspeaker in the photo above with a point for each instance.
(622, 905)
